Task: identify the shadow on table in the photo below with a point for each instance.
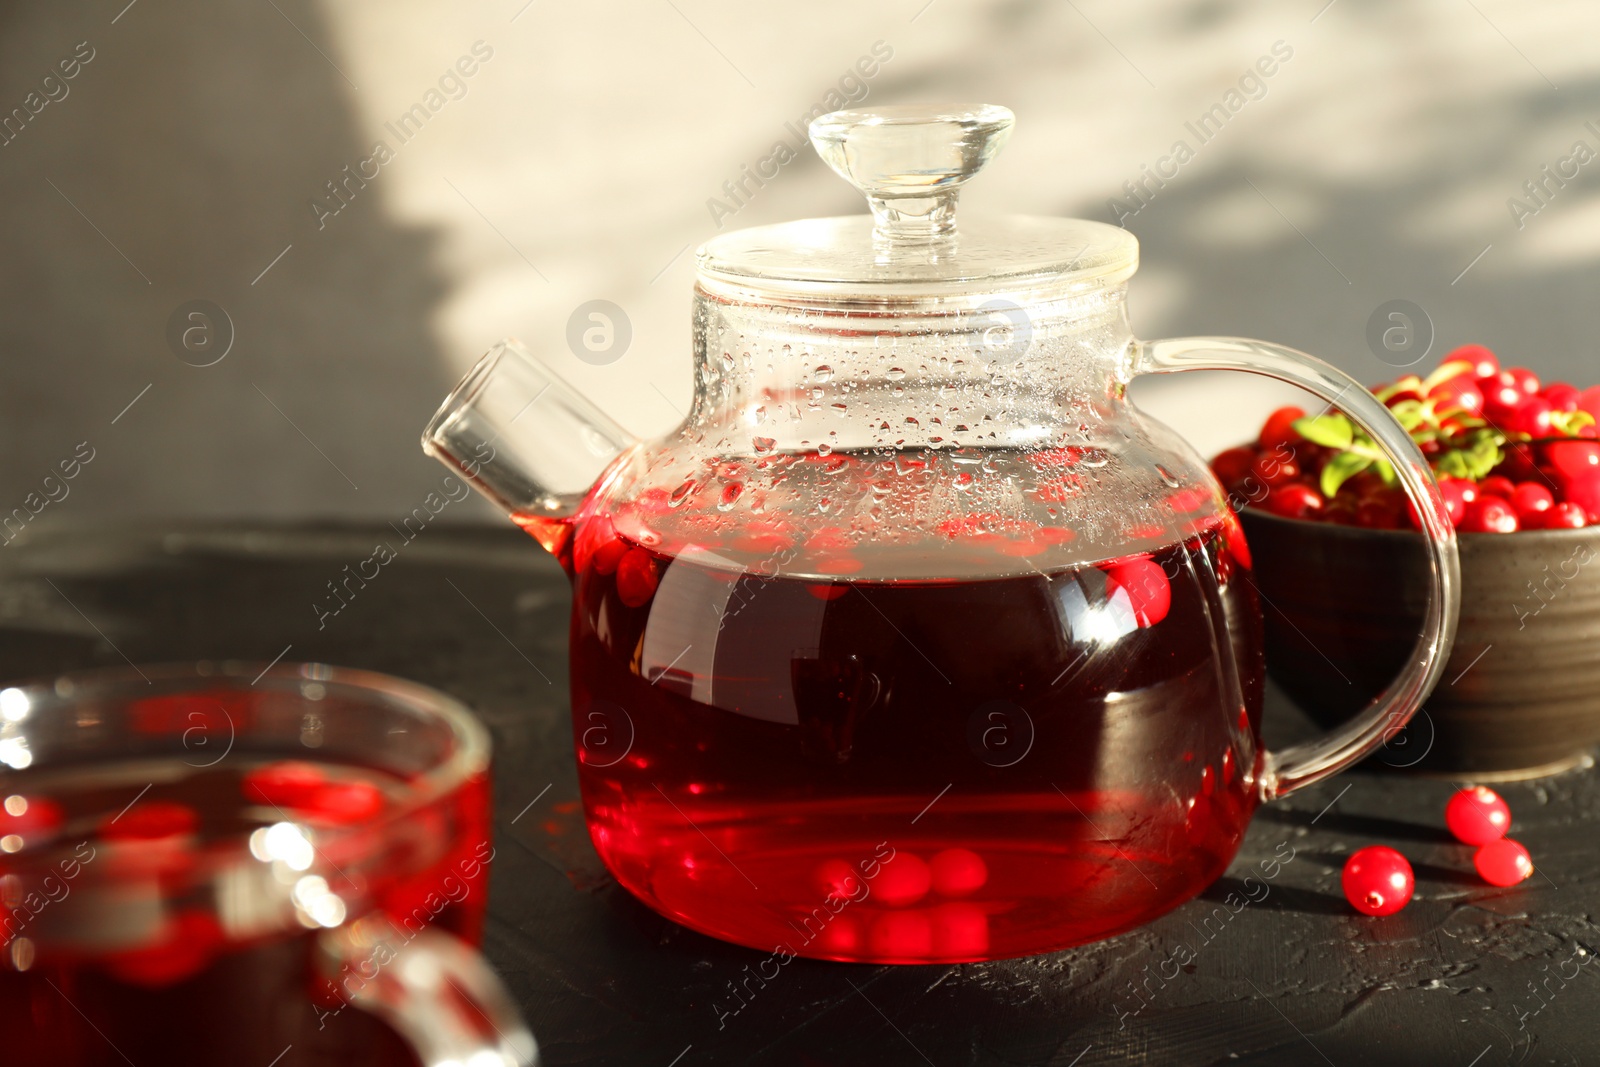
(1376, 827)
(1281, 897)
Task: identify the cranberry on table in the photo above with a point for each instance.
(1477, 815)
(1378, 880)
(1503, 862)
(1490, 514)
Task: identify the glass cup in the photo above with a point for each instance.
(226, 862)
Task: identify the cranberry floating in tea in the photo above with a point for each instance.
(916, 641)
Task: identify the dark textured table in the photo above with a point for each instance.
(1281, 972)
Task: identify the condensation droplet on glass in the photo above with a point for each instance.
(730, 496)
(894, 374)
(823, 448)
(1166, 476)
(840, 409)
(727, 361)
(911, 420)
(824, 373)
(680, 494)
(762, 445)
(1093, 457)
(963, 480)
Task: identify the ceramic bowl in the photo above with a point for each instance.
(1520, 696)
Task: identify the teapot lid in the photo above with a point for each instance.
(911, 161)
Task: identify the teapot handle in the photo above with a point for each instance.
(1311, 761)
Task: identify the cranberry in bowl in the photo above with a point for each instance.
(1339, 560)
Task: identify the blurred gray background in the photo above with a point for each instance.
(181, 163)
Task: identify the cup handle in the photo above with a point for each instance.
(1311, 761)
(434, 990)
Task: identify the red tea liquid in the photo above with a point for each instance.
(799, 755)
(119, 942)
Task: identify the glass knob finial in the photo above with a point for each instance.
(911, 160)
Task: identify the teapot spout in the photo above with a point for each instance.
(527, 440)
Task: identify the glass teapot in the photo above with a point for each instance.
(916, 642)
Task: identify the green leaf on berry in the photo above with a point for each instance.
(1569, 423)
(1330, 431)
(1444, 372)
(1477, 453)
(1408, 384)
(1342, 468)
(1453, 463)
(1483, 454)
(1409, 414)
